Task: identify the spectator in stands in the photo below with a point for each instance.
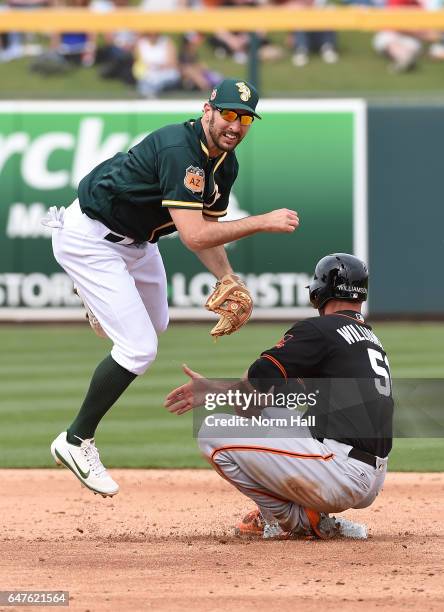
(304, 43)
(15, 44)
(78, 48)
(404, 48)
(195, 74)
(236, 44)
(370, 3)
(67, 49)
(163, 5)
(156, 66)
(116, 55)
(436, 50)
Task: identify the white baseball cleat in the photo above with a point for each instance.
(349, 529)
(84, 462)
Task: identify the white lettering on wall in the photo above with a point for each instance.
(12, 144)
(37, 290)
(25, 221)
(268, 290)
(35, 163)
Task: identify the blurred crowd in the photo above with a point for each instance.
(154, 62)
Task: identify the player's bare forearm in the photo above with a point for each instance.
(215, 260)
(197, 234)
(191, 395)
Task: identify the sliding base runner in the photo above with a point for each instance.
(298, 473)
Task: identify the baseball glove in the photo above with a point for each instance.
(232, 301)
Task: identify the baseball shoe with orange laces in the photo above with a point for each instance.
(251, 525)
(254, 525)
(322, 527)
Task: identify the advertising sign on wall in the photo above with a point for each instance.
(304, 155)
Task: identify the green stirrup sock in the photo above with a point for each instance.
(108, 383)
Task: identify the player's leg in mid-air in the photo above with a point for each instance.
(149, 276)
(102, 272)
(295, 482)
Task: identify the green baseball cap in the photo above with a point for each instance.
(235, 93)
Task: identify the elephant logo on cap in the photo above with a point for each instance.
(244, 91)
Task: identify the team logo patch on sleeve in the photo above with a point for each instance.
(283, 340)
(194, 179)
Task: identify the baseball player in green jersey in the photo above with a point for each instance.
(177, 178)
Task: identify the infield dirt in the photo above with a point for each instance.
(166, 543)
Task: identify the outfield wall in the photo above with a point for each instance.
(307, 155)
(310, 155)
(406, 211)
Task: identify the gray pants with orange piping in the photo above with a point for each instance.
(284, 475)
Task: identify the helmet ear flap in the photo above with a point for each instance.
(314, 298)
(319, 295)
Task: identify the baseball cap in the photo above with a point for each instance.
(235, 93)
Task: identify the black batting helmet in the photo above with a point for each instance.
(339, 276)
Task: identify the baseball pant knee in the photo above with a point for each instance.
(209, 440)
(135, 360)
(160, 324)
(204, 445)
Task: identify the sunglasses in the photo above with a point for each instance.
(231, 116)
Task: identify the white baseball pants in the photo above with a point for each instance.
(124, 286)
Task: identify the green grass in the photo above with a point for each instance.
(360, 72)
(45, 370)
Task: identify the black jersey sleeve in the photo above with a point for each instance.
(299, 353)
(262, 373)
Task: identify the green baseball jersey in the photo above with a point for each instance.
(131, 193)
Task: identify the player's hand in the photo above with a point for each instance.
(281, 220)
(184, 398)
